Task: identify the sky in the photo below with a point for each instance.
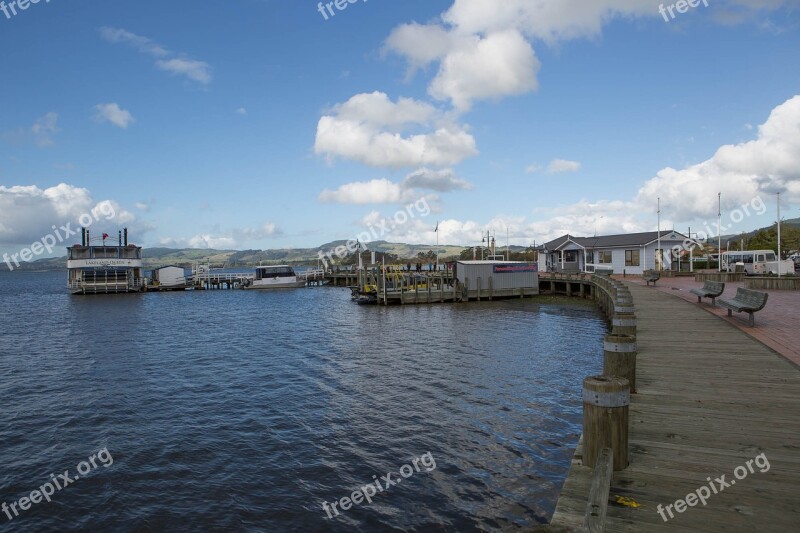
(256, 124)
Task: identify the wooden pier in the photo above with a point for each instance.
(709, 399)
(430, 287)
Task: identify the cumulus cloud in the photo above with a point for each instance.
(224, 240)
(114, 114)
(491, 67)
(385, 191)
(768, 164)
(373, 130)
(484, 47)
(741, 172)
(27, 212)
(444, 180)
(166, 60)
(377, 191)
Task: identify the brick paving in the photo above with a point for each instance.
(777, 325)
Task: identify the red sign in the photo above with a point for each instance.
(511, 269)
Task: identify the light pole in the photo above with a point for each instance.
(660, 258)
(436, 231)
(719, 232)
(779, 234)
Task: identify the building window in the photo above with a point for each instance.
(604, 257)
(571, 256)
(632, 258)
(589, 257)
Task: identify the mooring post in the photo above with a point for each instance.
(623, 323)
(605, 419)
(619, 358)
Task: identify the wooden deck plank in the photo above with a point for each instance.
(710, 398)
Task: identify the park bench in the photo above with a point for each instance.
(651, 276)
(747, 301)
(710, 289)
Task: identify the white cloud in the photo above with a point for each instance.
(484, 48)
(377, 110)
(491, 67)
(206, 241)
(558, 166)
(377, 191)
(444, 180)
(421, 44)
(384, 191)
(768, 164)
(114, 114)
(225, 240)
(270, 229)
(41, 133)
(166, 60)
(370, 128)
(143, 44)
(27, 212)
(532, 169)
(241, 111)
(198, 71)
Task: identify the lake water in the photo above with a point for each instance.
(247, 410)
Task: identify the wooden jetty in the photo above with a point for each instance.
(709, 399)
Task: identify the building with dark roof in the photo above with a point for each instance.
(631, 253)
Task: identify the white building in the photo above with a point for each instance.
(631, 253)
(170, 277)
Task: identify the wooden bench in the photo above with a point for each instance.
(651, 276)
(747, 301)
(710, 289)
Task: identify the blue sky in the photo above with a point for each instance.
(260, 124)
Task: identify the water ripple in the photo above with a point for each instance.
(247, 410)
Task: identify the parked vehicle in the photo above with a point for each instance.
(756, 262)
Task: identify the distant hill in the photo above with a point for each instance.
(154, 257)
(793, 222)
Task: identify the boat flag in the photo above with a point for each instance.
(437, 227)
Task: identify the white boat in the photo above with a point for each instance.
(274, 277)
(102, 269)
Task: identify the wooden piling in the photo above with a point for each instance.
(623, 324)
(619, 358)
(605, 419)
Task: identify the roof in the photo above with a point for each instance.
(489, 262)
(611, 241)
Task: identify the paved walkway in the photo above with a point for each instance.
(710, 398)
(777, 325)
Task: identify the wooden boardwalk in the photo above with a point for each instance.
(706, 404)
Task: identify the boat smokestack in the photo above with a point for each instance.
(83, 236)
(120, 238)
(125, 231)
(88, 238)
